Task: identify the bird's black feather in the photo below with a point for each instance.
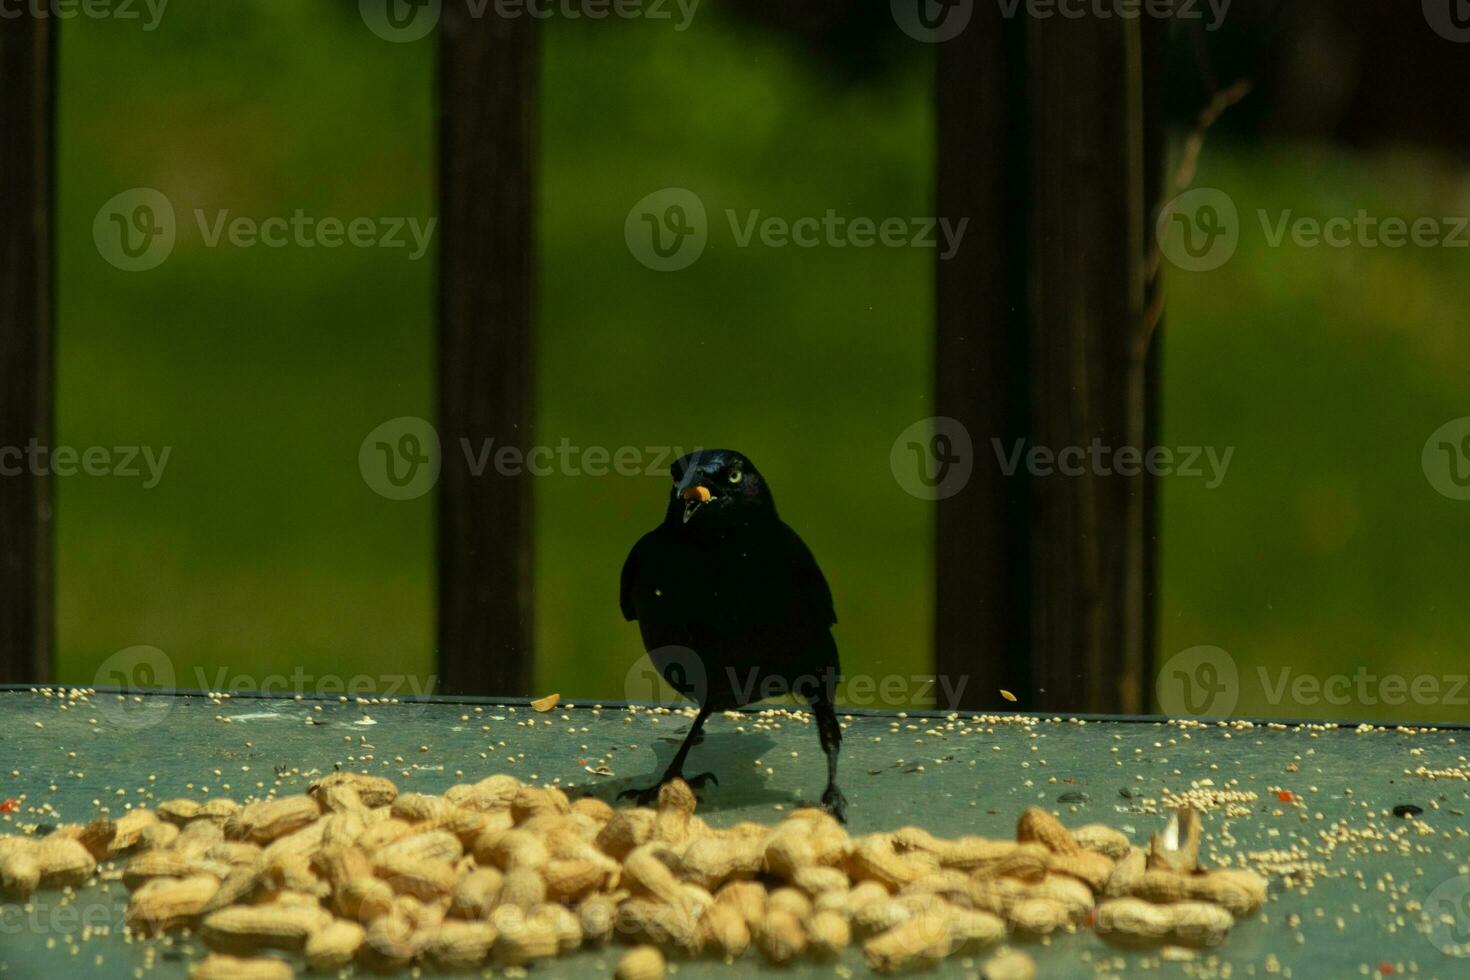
(729, 600)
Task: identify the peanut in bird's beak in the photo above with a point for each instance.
(694, 498)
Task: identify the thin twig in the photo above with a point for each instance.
(1183, 177)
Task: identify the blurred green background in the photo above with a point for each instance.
(263, 550)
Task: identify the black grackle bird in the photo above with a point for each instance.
(732, 606)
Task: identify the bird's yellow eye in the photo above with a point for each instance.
(735, 476)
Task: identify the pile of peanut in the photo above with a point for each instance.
(505, 873)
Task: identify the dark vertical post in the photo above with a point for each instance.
(1086, 296)
(1043, 577)
(27, 68)
(981, 591)
(487, 117)
(1151, 340)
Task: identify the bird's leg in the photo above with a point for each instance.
(676, 766)
(643, 797)
(830, 733)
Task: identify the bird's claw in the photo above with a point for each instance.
(649, 795)
(641, 797)
(702, 780)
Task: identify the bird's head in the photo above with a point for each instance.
(718, 487)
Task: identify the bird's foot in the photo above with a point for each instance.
(835, 803)
(701, 781)
(641, 797)
(649, 794)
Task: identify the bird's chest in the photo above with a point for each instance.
(704, 587)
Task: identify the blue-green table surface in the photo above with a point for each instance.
(1355, 888)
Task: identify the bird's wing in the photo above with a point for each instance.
(811, 585)
(630, 573)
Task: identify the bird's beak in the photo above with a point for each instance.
(694, 498)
